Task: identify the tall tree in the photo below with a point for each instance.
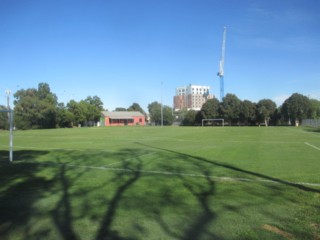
(65, 118)
(136, 107)
(230, 108)
(190, 118)
(78, 112)
(86, 112)
(180, 114)
(95, 101)
(155, 114)
(265, 110)
(35, 108)
(210, 109)
(315, 109)
(4, 121)
(247, 112)
(120, 109)
(167, 115)
(92, 109)
(296, 108)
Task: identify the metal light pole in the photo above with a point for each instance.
(161, 107)
(10, 115)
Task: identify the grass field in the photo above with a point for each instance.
(161, 183)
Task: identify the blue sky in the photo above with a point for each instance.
(127, 51)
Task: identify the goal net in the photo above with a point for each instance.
(213, 122)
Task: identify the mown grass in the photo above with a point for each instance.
(161, 183)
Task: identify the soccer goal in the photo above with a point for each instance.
(213, 122)
(10, 116)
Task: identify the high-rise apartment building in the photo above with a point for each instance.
(191, 97)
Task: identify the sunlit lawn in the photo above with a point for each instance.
(161, 183)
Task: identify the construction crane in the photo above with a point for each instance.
(221, 67)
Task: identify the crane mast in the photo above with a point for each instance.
(221, 64)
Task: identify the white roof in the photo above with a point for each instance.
(122, 114)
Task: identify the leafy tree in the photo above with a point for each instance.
(155, 113)
(315, 109)
(296, 107)
(247, 112)
(136, 107)
(95, 101)
(35, 108)
(78, 112)
(86, 112)
(180, 114)
(65, 118)
(210, 109)
(167, 115)
(92, 112)
(120, 109)
(265, 110)
(190, 118)
(4, 121)
(230, 108)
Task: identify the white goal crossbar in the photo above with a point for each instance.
(213, 120)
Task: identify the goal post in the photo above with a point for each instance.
(212, 121)
(10, 116)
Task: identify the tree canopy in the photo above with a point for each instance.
(236, 112)
(247, 112)
(4, 119)
(39, 108)
(297, 107)
(230, 108)
(155, 114)
(35, 108)
(136, 107)
(210, 109)
(265, 110)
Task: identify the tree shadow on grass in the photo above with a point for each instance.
(127, 173)
(273, 190)
(310, 129)
(20, 188)
(198, 226)
(128, 179)
(236, 169)
(67, 175)
(62, 213)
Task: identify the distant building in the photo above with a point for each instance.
(122, 118)
(191, 97)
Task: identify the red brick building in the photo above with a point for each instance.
(122, 118)
(191, 97)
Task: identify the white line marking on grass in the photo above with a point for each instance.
(221, 178)
(65, 149)
(128, 159)
(37, 148)
(312, 146)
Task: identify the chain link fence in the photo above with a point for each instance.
(311, 123)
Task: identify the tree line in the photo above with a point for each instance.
(237, 112)
(38, 108)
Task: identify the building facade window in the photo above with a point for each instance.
(194, 96)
